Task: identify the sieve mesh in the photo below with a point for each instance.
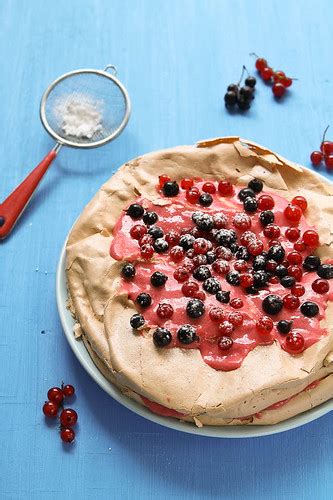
(98, 87)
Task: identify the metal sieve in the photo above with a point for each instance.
(100, 86)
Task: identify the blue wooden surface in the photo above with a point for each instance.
(176, 58)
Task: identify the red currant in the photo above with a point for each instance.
(201, 245)
(225, 188)
(278, 90)
(264, 324)
(261, 63)
(286, 81)
(247, 238)
(181, 274)
(296, 272)
(68, 417)
(220, 221)
(242, 221)
(221, 266)
(177, 254)
(50, 409)
(189, 288)
(293, 213)
(329, 161)
(316, 158)
(138, 231)
(172, 237)
(200, 295)
(226, 328)
(298, 290)
(291, 302)
(147, 239)
(274, 280)
(246, 280)
(223, 253)
(164, 310)
(301, 202)
(292, 233)
(55, 395)
(147, 251)
(216, 314)
(266, 74)
(163, 179)
(255, 247)
(186, 183)
(236, 303)
(278, 76)
(209, 187)
(235, 317)
(225, 343)
(67, 435)
(311, 238)
(300, 246)
(320, 286)
(294, 257)
(240, 265)
(294, 343)
(265, 202)
(271, 265)
(192, 195)
(272, 231)
(326, 148)
(68, 390)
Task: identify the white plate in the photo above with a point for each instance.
(83, 356)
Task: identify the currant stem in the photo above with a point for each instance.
(324, 134)
(242, 74)
(254, 54)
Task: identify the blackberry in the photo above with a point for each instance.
(260, 278)
(195, 308)
(204, 222)
(325, 271)
(187, 334)
(242, 253)
(266, 217)
(223, 296)
(186, 241)
(128, 271)
(201, 273)
(245, 192)
(256, 185)
(170, 188)
(156, 232)
(309, 309)
(162, 337)
(161, 245)
(250, 204)
(276, 252)
(143, 299)
(272, 304)
(281, 271)
(135, 211)
(311, 262)
(288, 281)
(150, 218)
(210, 256)
(259, 262)
(284, 326)
(137, 320)
(158, 279)
(211, 285)
(205, 200)
(233, 278)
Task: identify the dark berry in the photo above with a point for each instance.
(161, 245)
(137, 320)
(256, 185)
(233, 87)
(266, 217)
(170, 188)
(225, 343)
(242, 253)
(205, 199)
(284, 326)
(309, 309)
(205, 222)
(245, 193)
(281, 271)
(250, 81)
(225, 237)
(259, 262)
(186, 241)
(187, 334)
(201, 273)
(128, 271)
(223, 296)
(272, 304)
(325, 271)
(230, 98)
(252, 290)
(243, 103)
(211, 256)
(150, 218)
(211, 285)
(135, 211)
(276, 252)
(311, 262)
(246, 92)
(233, 278)
(233, 247)
(156, 232)
(288, 281)
(158, 279)
(162, 337)
(143, 299)
(195, 308)
(260, 278)
(250, 204)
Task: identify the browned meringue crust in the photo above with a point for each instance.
(179, 378)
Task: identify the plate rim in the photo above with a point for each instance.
(83, 356)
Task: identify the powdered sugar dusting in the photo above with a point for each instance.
(79, 115)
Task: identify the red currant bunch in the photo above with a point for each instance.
(325, 154)
(278, 78)
(68, 416)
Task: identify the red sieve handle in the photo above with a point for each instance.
(14, 205)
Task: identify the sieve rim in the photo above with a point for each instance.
(68, 142)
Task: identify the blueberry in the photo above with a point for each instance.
(205, 222)
(195, 308)
(158, 279)
(128, 271)
(311, 262)
(256, 185)
(135, 211)
(186, 241)
(250, 81)
(233, 278)
(211, 256)
(325, 271)
(171, 188)
(143, 299)
(276, 252)
(245, 192)
(187, 334)
(162, 337)
(211, 285)
(137, 320)
(161, 245)
(252, 290)
(259, 262)
(242, 253)
(266, 217)
(281, 271)
(150, 218)
(223, 296)
(156, 232)
(225, 237)
(284, 326)
(230, 98)
(250, 204)
(205, 199)
(260, 278)
(309, 309)
(272, 304)
(201, 273)
(288, 281)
